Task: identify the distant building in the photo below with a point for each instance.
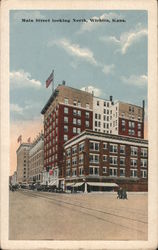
(36, 159)
(96, 161)
(23, 162)
(14, 178)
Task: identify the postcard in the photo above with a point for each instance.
(79, 125)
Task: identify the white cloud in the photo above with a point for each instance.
(75, 50)
(127, 39)
(20, 79)
(139, 81)
(90, 25)
(20, 14)
(91, 89)
(16, 108)
(108, 69)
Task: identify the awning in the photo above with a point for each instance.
(102, 184)
(78, 184)
(70, 184)
(52, 183)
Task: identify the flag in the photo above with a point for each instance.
(50, 172)
(29, 140)
(19, 138)
(50, 79)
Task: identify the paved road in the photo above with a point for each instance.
(94, 216)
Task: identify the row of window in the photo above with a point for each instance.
(113, 160)
(75, 103)
(131, 124)
(112, 172)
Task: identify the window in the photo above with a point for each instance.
(143, 163)
(105, 145)
(74, 120)
(144, 152)
(87, 115)
(104, 170)
(139, 125)
(139, 133)
(74, 112)
(79, 104)
(94, 158)
(74, 130)
(74, 150)
(66, 110)
(97, 103)
(68, 152)
(65, 119)
(113, 148)
(104, 157)
(133, 173)
(78, 130)
(87, 105)
(104, 104)
(65, 128)
(122, 172)
(144, 173)
(68, 172)
(74, 161)
(74, 172)
(122, 149)
(133, 162)
(113, 160)
(123, 122)
(81, 147)
(94, 170)
(79, 122)
(87, 124)
(65, 137)
(130, 109)
(79, 112)
(75, 103)
(113, 171)
(66, 101)
(107, 104)
(81, 159)
(122, 161)
(94, 146)
(80, 171)
(134, 151)
(68, 163)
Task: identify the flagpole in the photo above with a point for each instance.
(53, 82)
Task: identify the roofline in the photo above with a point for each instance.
(112, 136)
(51, 98)
(128, 104)
(23, 144)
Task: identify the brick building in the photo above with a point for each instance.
(70, 111)
(67, 113)
(99, 161)
(23, 162)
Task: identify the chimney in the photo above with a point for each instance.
(111, 98)
(63, 82)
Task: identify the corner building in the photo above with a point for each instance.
(67, 113)
(97, 161)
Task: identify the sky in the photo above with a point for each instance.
(107, 57)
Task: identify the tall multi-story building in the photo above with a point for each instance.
(67, 113)
(98, 161)
(23, 162)
(70, 111)
(36, 159)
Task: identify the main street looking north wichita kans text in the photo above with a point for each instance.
(80, 20)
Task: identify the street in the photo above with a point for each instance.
(94, 216)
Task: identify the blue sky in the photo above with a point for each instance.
(109, 58)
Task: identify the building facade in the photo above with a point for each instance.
(36, 159)
(98, 161)
(67, 113)
(23, 162)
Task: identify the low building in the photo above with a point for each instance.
(96, 161)
(23, 162)
(14, 178)
(36, 159)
